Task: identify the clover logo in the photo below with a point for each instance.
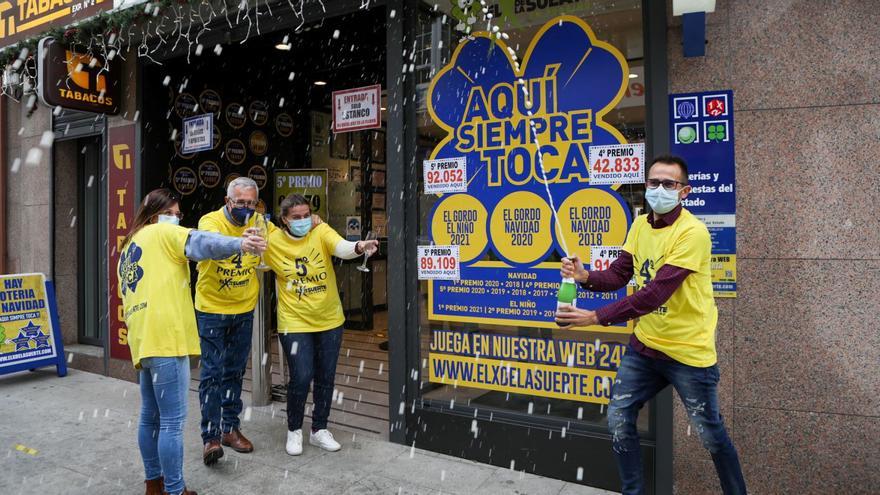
(130, 272)
(716, 132)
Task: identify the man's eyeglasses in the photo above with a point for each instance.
(244, 204)
(668, 184)
(179, 215)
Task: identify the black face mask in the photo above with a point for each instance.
(241, 215)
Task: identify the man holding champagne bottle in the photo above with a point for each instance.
(668, 250)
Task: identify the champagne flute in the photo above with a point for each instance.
(363, 266)
(260, 224)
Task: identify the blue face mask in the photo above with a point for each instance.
(172, 219)
(661, 200)
(301, 227)
(241, 215)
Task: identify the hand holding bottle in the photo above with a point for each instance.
(570, 316)
(573, 268)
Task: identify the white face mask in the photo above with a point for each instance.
(172, 219)
(662, 200)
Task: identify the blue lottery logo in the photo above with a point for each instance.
(130, 272)
(686, 109)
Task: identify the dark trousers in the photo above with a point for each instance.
(639, 379)
(311, 356)
(226, 346)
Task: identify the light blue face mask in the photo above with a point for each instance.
(169, 219)
(661, 200)
(301, 227)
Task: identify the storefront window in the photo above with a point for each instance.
(563, 76)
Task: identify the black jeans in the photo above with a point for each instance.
(310, 356)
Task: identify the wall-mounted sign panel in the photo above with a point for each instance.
(77, 81)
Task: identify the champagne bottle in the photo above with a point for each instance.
(567, 295)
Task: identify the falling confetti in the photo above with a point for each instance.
(34, 156)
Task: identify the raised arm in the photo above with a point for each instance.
(202, 245)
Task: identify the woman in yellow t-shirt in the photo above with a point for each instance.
(154, 281)
(309, 314)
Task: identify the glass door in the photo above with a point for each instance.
(514, 98)
(91, 329)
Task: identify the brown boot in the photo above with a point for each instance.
(213, 451)
(237, 442)
(155, 487)
(184, 492)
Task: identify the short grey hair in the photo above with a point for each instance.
(242, 182)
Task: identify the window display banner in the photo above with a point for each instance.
(554, 368)
(505, 123)
(30, 336)
(121, 210)
(702, 133)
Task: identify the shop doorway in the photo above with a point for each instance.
(478, 396)
(78, 250)
(89, 245)
(271, 100)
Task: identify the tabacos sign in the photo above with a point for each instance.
(24, 18)
(77, 81)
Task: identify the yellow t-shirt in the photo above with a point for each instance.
(684, 327)
(308, 298)
(154, 281)
(229, 286)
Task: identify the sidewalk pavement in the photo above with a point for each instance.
(78, 434)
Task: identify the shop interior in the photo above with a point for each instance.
(271, 99)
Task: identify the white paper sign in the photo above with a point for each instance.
(198, 133)
(601, 258)
(357, 109)
(439, 263)
(617, 164)
(447, 175)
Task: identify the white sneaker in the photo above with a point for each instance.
(325, 440)
(294, 442)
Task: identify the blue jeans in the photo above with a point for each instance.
(226, 346)
(311, 355)
(639, 379)
(164, 386)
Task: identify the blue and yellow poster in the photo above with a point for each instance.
(525, 132)
(701, 127)
(29, 337)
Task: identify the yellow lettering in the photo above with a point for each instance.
(121, 158)
(121, 194)
(120, 221)
(119, 240)
(43, 5)
(4, 6)
(123, 335)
